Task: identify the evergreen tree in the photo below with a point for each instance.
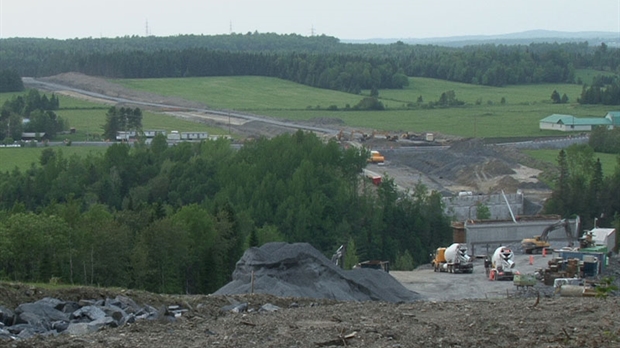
(112, 125)
(555, 97)
(350, 256)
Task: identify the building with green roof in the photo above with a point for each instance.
(569, 123)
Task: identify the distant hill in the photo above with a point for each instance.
(523, 38)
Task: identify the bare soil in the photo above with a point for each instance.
(497, 322)
(458, 311)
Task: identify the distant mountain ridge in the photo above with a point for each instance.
(520, 38)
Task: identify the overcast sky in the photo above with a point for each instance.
(344, 19)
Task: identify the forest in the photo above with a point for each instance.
(321, 61)
(176, 219)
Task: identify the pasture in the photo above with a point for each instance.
(483, 115)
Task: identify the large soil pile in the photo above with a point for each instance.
(299, 270)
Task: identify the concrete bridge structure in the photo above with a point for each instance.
(486, 235)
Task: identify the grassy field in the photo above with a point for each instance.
(519, 116)
(608, 161)
(244, 92)
(23, 157)
(483, 115)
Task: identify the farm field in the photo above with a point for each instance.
(524, 105)
(243, 92)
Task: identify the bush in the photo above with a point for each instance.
(404, 262)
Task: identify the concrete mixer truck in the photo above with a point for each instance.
(453, 259)
(502, 264)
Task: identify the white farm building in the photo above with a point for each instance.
(569, 123)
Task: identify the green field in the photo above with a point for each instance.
(608, 161)
(519, 116)
(482, 116)
(23, 157)
(244, 92)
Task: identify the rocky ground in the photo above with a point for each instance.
(511, 322)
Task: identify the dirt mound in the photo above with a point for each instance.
(299, 270)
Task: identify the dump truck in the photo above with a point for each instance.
(376, 157)
(502, 264)
(453, 259)
(538, 243)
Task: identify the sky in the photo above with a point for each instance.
(344, 19)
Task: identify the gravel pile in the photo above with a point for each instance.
(299, 270)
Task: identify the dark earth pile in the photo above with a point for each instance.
(299, 270)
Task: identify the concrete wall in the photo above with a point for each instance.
(479, 235)
(464, 207)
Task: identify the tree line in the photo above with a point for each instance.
(604, 90)
(321, 62)
(176, 219)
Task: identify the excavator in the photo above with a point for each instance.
(538, 243)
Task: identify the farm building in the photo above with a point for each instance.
(194, 135)
(125, 135)
(569, 123)
(151, 133)
(34, 136)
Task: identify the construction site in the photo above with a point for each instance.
(518, 279)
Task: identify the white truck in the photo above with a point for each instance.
(453, 259)
(502, 264)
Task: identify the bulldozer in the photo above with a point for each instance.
(538, 243)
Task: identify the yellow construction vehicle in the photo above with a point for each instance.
(538, 243)
(376, 157)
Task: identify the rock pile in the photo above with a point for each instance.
(51, 316)
(299, 270)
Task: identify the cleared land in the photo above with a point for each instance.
(519, 116)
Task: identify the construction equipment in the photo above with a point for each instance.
(338, 257)
(502, 264)
(524, 281)
(538, 243)
(375, 264)
(363, 136)
(586, 241)
(453, 259)
(376, 157)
